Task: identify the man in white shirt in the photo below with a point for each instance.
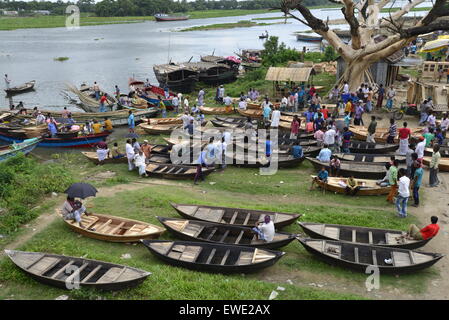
(130, 155)
(186, 104)
(210, 153)
(140, 163)
(7, 81)
(329, 138)
(265, 230)
(346, 88)
(403, 193)
(40, 119)
(275, 118)
(102, 154)
(420, 147)
(242, 104)
(185, 119)
(175, 103)
(227, 137)
(221, 92)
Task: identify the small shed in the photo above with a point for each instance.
(384, 71)
(286, 78)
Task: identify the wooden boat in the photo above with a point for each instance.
(210, 257)
(248, 160)
(308, 37)
(364, 235)
(12, 150)
(213, 73)
(443, 165)
(233, 216)
(77, 142)
(215, 110)
(357, 170)
(191, 230)
(27, 86)
(115, 229)
(381, 135)
(118, 118)
(444, 152)
(160, 17)
(158, 128)
(252, 113)
(164, 121)
(87, 97)
(177, 77)
(380, 159)
(174, 171)
(360, 256)
(366, 147)
(92, 156)
(58, 270)
(367, 187)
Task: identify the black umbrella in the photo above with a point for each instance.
(81, 190)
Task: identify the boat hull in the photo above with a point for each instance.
(78, 142)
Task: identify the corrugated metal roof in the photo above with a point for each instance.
(395, 57)
(288, 74)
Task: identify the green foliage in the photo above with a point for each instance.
(330, 54)
(23, 182)
(276, 54)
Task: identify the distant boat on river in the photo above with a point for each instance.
(165, 17)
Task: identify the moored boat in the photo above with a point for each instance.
(233, 216)
(357, 170)
(159, 128)
(366, 187)
(174, 171)
(114, 229)
(215, 110)
(28, 86)
(59, 271)
(308, 37)
(212, 257)
(376, 148)
(360, 256)
(161, 17)
(365, 235)
(193, 230)
(12, 150)
(380, 159)
(177, 77)
(442, 166)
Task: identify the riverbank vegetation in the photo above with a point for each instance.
(219, 26)
(23, 183)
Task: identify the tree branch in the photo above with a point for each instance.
(348, 12)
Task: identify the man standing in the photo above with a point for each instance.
(404, 135)
(392, 131)
(7, 81)
(117, 92)
(275, 118)
(346, 137)
(175, 104)
(96, 88)
(221, 93)
(329, 138)
(417, 179)
(131, 123)
(266, 107)
(372, 130)
(433, 175)
(409, 159)
(404, 194)
(380, 96)
(201, 98)
(294, 129)
(130, 155)
(420, 147)
(358, 118)
(391, 93)
(393, 180)
(103, 100)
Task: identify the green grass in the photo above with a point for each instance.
(61, 59)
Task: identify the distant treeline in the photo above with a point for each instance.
(111, 8)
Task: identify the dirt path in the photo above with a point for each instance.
(44, 220)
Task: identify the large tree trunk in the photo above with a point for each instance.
(355, 73)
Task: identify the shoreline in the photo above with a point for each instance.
(16, 23)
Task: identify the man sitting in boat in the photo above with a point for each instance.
(73, 210)
(430, 231)
(323, 175)
(265, 230)
(351, 186)
(107, 125)
(297, 150)
(116, 154)
(102, 154)
(40, 118)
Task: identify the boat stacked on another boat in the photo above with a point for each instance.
(159, 128)
(376, 148)
(380, 159)
(215, 110)
(174, 171)
(177, 77)
(381, 135)
(357, 170)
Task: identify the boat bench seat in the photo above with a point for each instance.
(135, 229)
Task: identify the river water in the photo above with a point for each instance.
(110, 54)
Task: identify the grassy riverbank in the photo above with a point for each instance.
(219, 26)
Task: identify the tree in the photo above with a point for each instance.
(364, 21)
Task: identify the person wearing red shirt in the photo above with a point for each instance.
(325, 112)
(312, 91)
(294, 129)
(103, 100)
(414, 233)
(404, 135)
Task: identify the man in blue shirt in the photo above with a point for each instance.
(325, 154)
(346, 140)
(297, 150)
(52, 128)
(309, 115)
(318, 123)
(417, 178)
(322, 176)
(301, 94)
